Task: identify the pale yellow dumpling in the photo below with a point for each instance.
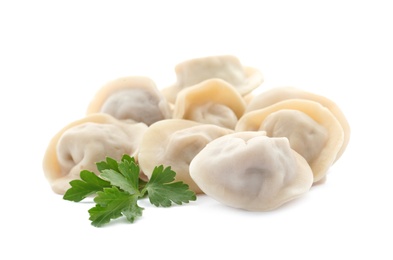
(83, 143)
(175, 142)
(312, 130)
(278, 94)
(225, 67)
(135, 97)
(213, 101)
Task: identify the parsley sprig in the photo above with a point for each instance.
(118, 188)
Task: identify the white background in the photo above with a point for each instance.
(54, 56)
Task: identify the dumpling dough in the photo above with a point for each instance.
(251, 171)
(134, 97)
(83, 143)
(225, 67)
(278, 94)
(213, 101)
(312, 130)
(175, 142)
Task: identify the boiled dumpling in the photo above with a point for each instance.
(312, 130)
(83, 143)
(133, 97)
(278, 94)
(225, 67)
(251, 171)
(213, 101)
(175, 142)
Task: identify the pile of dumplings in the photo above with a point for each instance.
(248, 151)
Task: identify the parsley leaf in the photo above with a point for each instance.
(163, 191)
(89, 184)
(112, 203)
(126, 178)
(108, 164)
(118, 188)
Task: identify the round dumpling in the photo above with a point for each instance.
(312, 130)
(225, 67)
(213, 101)
(175, 142)
(133, 97)
(251, 171)
(278, 94)
(83, 143)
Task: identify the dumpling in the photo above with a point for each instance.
(278, 94)
(213, 101)
(312, 130)
(133, 97)
(251, 171)
(175, 142)
(225, 67)
(83, 143)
